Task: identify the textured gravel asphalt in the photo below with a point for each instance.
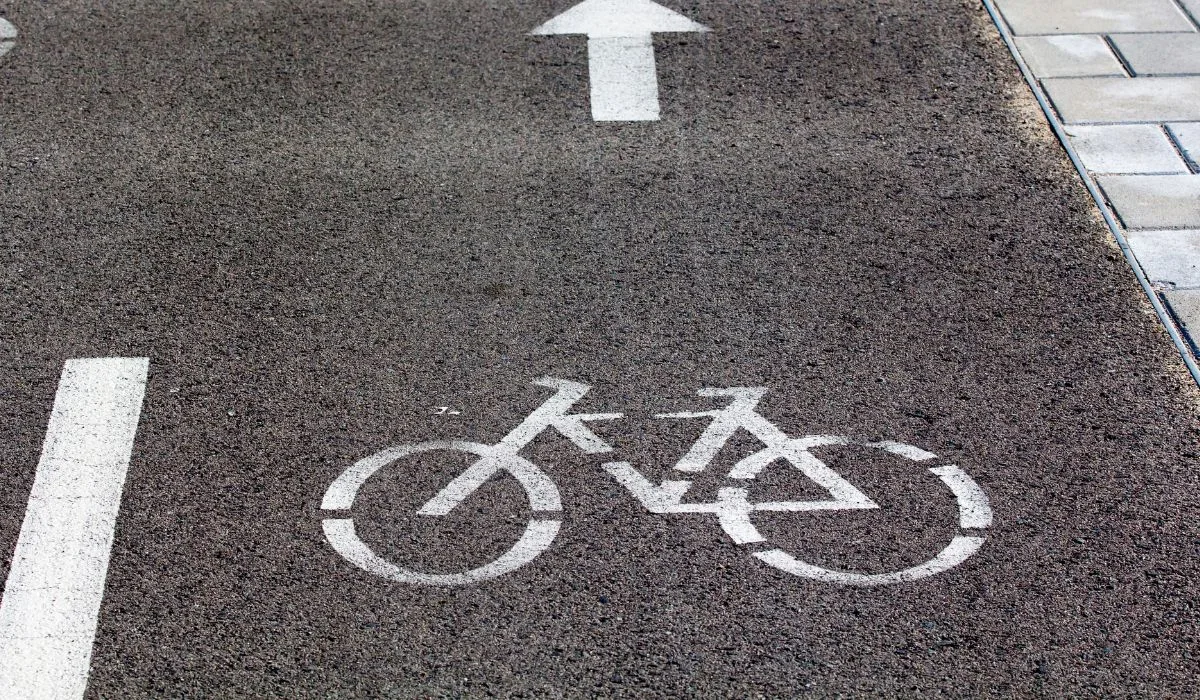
(322, 220)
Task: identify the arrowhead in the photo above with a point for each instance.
(612, 18)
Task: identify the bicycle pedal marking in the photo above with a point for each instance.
(732, 507)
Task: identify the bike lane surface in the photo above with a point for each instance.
(335, 228)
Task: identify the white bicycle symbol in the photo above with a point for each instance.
(732, 507)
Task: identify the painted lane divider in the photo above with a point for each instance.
(8, 36)
(621, 70)
(51, 602)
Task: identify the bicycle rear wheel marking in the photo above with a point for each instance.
(538, 536)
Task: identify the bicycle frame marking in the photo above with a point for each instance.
(732, 508)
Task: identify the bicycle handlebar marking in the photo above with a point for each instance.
(732, 508)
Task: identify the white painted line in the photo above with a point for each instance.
(539, 534)
(543, 494)
(621, 69)
(725, 422)
(734, 516)
(959, 550)
(901, 449)
(741, 414)
(974, 510)
(733, 507)
(553, 414)
(624, 82)
(656, 499)
(52, 598)
(8, 36)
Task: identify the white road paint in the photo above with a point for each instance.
(621, 68)
(553, 414)
(959, 550)
(656, 498)
(974, 511)
(543, 494)
(899, 449)
(734, 516)
(493, 459)
(732, 508)
(741, 414)
(8, 36)
(51, 603)
(539, 534)
(623, 79)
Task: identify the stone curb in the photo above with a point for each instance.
(1102, 71)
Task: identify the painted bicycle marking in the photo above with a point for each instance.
(732, 508)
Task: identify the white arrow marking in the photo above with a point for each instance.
(8, 36)
(624, 82)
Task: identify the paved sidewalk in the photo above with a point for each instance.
(1123, 80)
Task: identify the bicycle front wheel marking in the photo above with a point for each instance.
(959, 550)
(538, 536)
(974, 512)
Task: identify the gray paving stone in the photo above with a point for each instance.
(1093, 16)
(1171, 257)
(1126, 148)
(1160, 54)
(1068, 55)
(1101, 100)
(1154, 201)
(1188, 136)
(1192, 6)
(1185, 305)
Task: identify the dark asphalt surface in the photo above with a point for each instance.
(322, 220)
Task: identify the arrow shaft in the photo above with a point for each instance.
(623, 78)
